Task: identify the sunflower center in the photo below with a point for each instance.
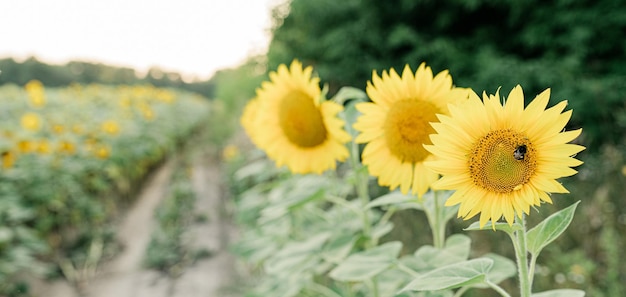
(502, 161)
(301, 120)
(407, 128)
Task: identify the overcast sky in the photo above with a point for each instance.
(193, 37)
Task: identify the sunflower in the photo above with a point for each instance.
(295, 125)
(502, 158)
(248, 119)
(396, 125)
(31, 121)
(36, 94)
(8, 158)
(110, 127)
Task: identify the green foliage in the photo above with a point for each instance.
(57, 200)
(453, 276)
(573, 47)
(308, 236)
(561, 293)
(588, 255)
(233, 88)
(364, 265)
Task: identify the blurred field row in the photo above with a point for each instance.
(72, 159)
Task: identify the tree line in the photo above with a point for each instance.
(20, 73)
(574, 47)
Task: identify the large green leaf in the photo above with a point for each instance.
(426, 258)
(297, 256)
(6, 235)
(338, 248)
(498, 226)
(549, 229)
(453, 276)
(347, 93)
(391, 280)
(502, 269)
(284, 285)
(293, 194)
(255, 246)
(381, 230)
(255, 168)
(350, 114)
(397, 199)
(364, 265)
(560, 293)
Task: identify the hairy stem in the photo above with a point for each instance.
(521, 255)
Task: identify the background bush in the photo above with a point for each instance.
(574, 47)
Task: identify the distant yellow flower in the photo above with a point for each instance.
(7, 134)
(25, 146)
(31, 121)
(8, 159)
(36, 95)
(110, 127)
(125, 102)
(77, 129)
(102, 151)
(66, 147)
(147, 112)
(58, 128)
(165, 96)
(502, 158)
(230, 152)
(300, 128)
(396, 125)
(43, 146)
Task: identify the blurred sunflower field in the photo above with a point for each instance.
(72, 157)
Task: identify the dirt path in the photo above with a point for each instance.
(208, 276)
(124, 275)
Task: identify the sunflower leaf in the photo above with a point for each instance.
(323, 93)
(549, 229)
(396, 198)
(297, 256)
(456, 275)
(427, 257)
(499, 226)
(347, 93)
(502, 269)
(349, 114)
(560, 293)
(338, 248)
(364, 265)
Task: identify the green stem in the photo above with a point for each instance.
(362, 191)
(441, 226)
(498, 289)
(460, 291)
(408, 270)
(341, 201)
(521, 255)
(365, 199)
(437, 226)
(387, 215)
(531, 270)
(374, 287)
